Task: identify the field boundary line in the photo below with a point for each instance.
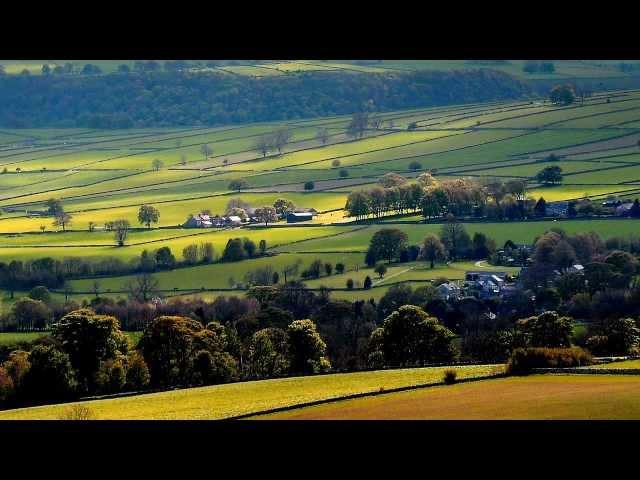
(588, 371)
(352, 396)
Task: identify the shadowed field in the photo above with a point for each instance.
(561, 397)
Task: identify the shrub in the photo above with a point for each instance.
(137, 372)
(6, 385)
(111, 377)
(77, 412)
(450, 376)
(350, 284)
(524, 359)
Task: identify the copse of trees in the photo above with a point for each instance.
(562, 94)
(56, 210)
(432, 250)
(460, 197)
(386, 244)
(550, 175)
(409, 336)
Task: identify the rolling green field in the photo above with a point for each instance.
(518, 232)
(12, 338)
(223, 401)
(563, 68)
(623, 364)
(537, 397)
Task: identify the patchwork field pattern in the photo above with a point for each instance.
(104, 175)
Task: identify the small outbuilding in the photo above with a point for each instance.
(295, 217)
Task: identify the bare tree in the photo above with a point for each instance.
(206, 151)
(121, 231)
(291, 269)
(280, 138)
(323, 135)
(143, 287)
(358, 125)
(263, 145)
(266, 214)
(63, 219)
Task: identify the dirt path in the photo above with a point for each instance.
(392, 275)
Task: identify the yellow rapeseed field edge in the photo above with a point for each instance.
(223, 401)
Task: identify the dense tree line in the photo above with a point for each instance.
(153, 98)
(488, 198)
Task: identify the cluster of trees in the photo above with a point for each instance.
(286, 329)
(610, 264)
(494, 199)
(273, 141)
(563, 94)
(150, 97)
(240, 248)
(86, 353)
(52, 273)
(550, 175)
(147, 215)
(391, 244)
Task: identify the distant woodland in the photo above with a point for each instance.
(140, 99)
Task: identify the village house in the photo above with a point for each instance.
(200, 220)
(204, 220)
(448, 291)
(484, 284)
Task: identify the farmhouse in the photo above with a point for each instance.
(203, 220)
(448, 291)
(232, 220)
(200, 220)
(484, 284)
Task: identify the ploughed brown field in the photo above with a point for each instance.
(538, 397)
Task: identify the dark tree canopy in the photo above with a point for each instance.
(150, 97)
